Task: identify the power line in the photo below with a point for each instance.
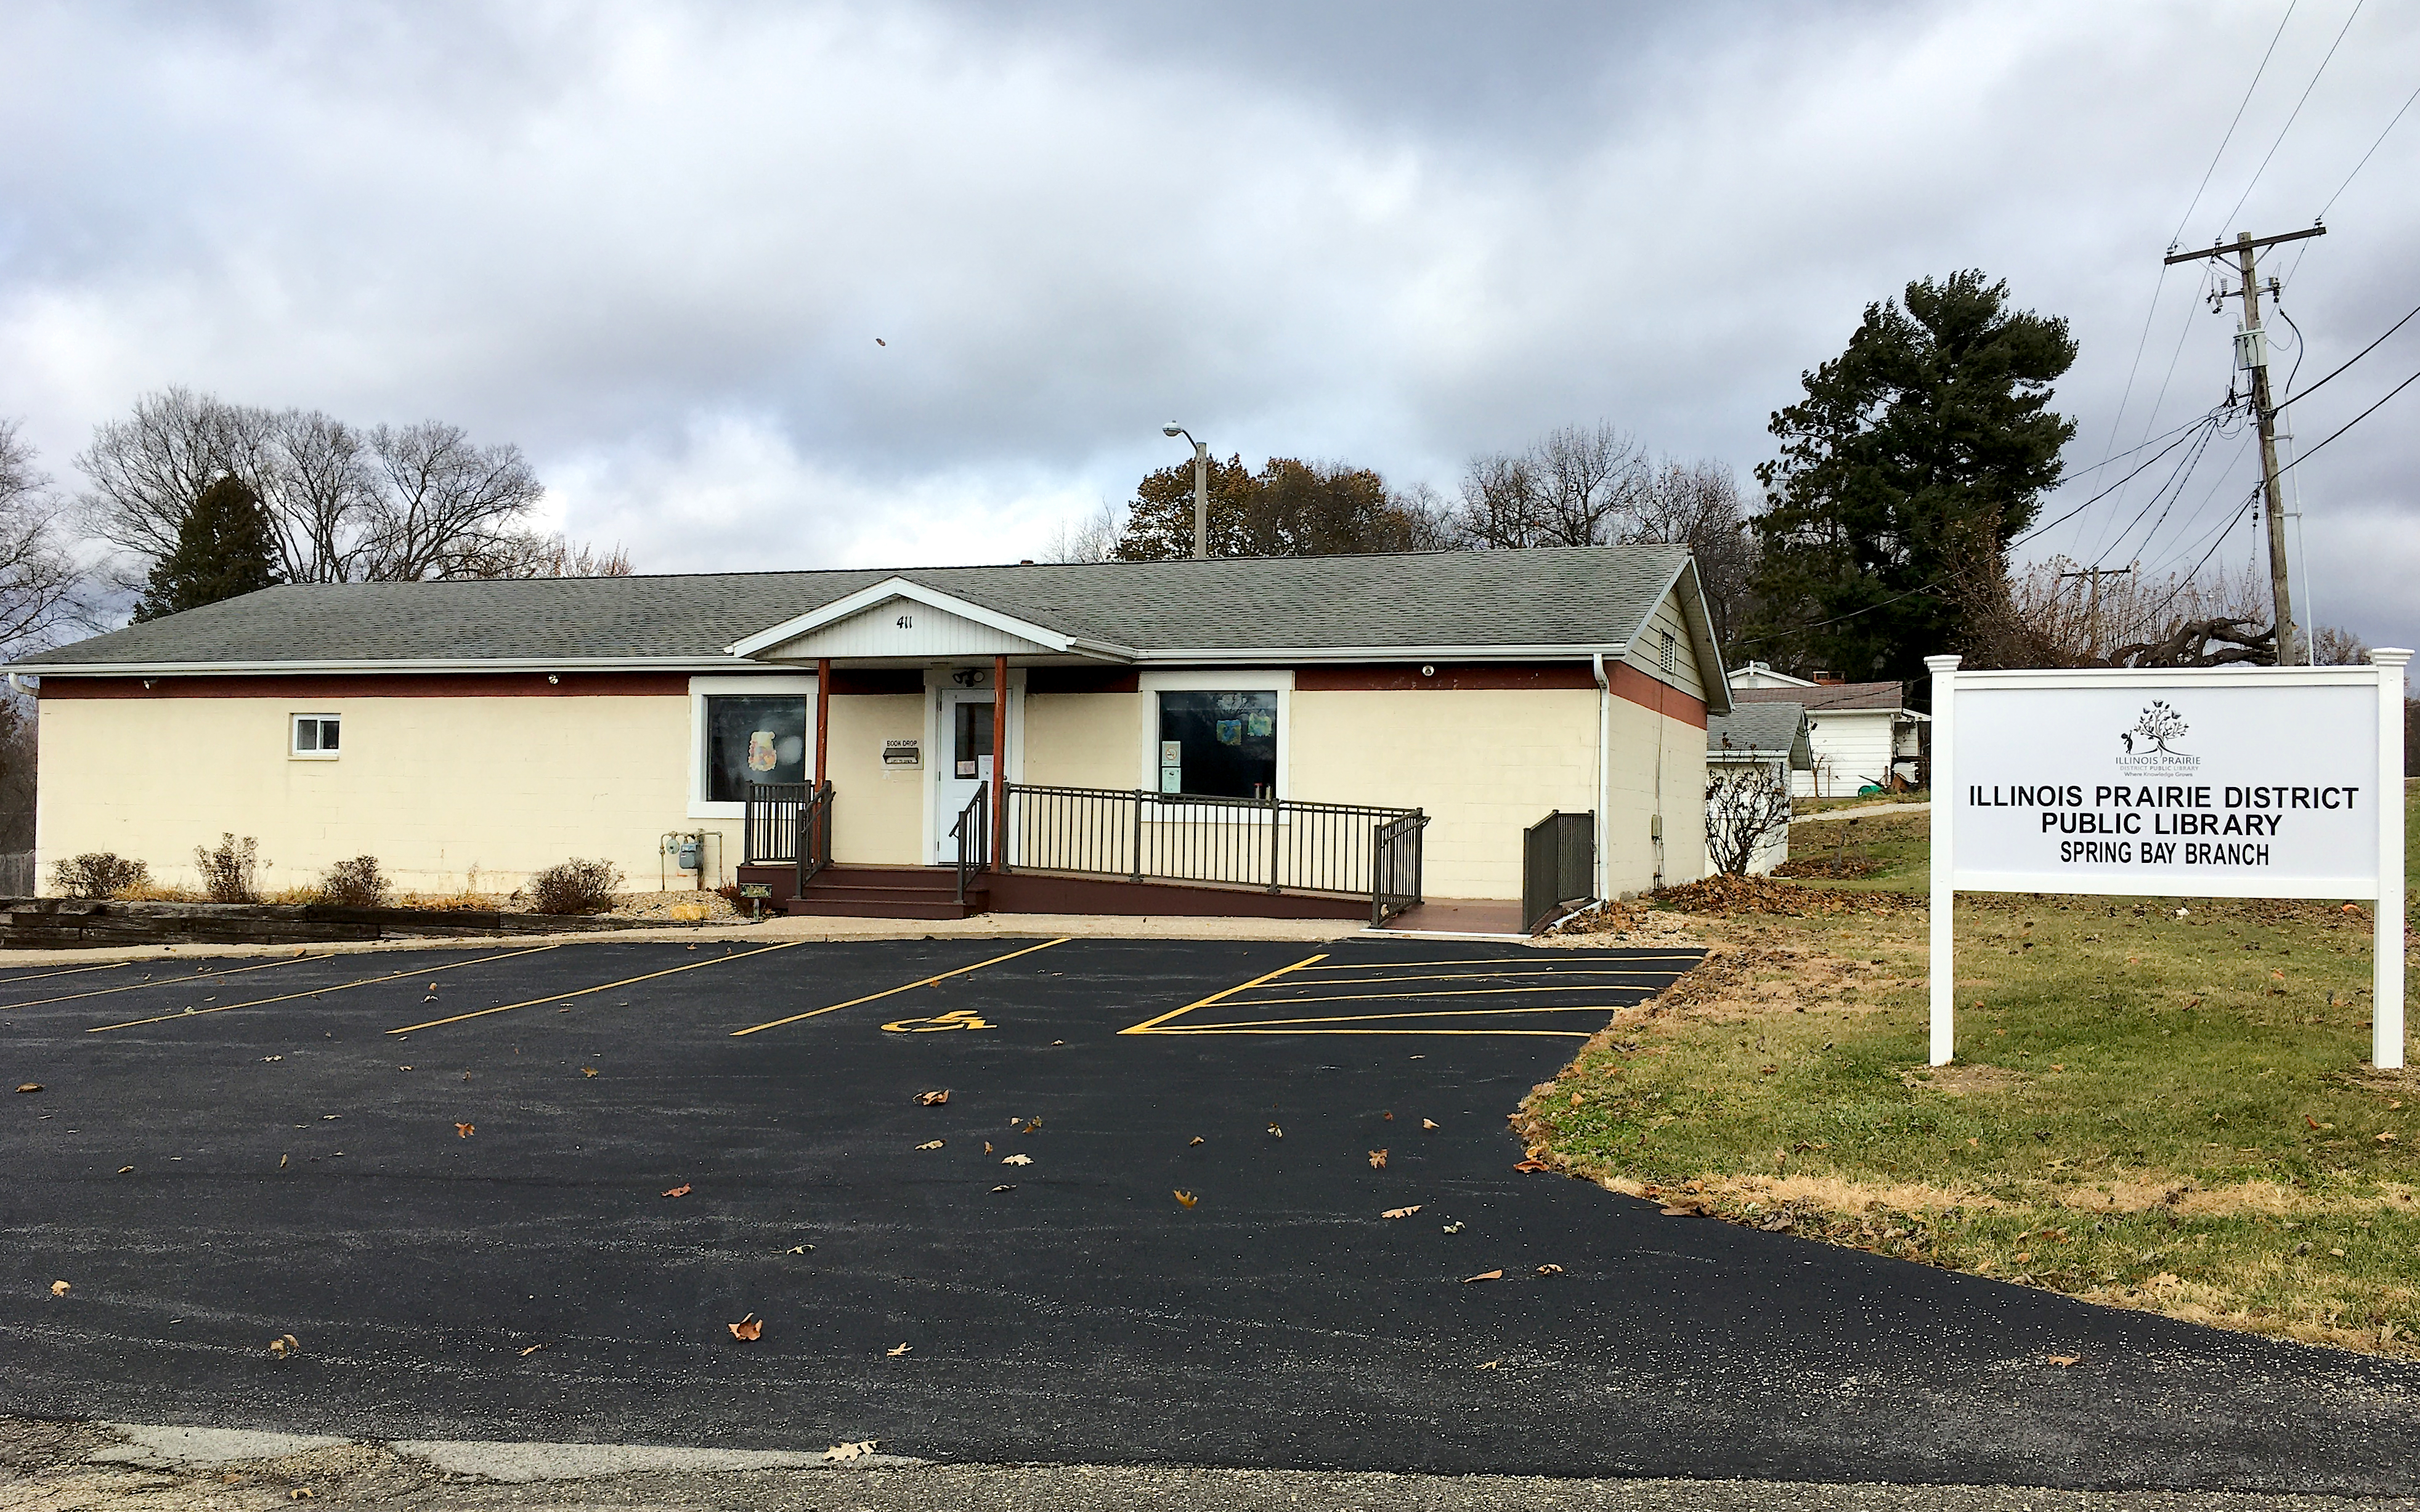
(2350, 424)
(2356, 357)
(2297, 111)
(2173, 490)
(2181, 436)
(2366, 157)
(2160, 398)
(2232, 124)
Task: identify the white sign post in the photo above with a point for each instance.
(2219, 782)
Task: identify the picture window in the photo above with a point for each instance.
(316, 734)
(1219, 745)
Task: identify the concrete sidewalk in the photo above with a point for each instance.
(773, 930)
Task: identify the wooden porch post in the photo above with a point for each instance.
(823, 717)
(999, 762)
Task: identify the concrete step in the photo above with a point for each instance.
(817, 905)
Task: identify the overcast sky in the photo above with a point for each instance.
(654, 246)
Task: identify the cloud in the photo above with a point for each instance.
(654, 246)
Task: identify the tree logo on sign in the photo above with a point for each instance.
(2159, 725)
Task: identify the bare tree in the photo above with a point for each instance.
(1092, 538)
(1747, 806)
(2331, 646)
(532, 555)
(1697, 505)
(2058, 614)
(347, 505)
(42, 589)
(1575, 486)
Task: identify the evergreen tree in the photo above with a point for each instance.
(223, 548)
(1915, 456)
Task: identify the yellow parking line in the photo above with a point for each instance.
(601, 987)
(1422, 1013)
(72, 971)
(1494, 961)
(889, 990)
(314, 992)
(1148, 1025)
(1543, 1034)
(1474, 976)
(172, 982)
(1393, 997)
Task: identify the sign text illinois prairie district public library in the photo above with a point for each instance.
(2207, 789)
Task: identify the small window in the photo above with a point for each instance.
(316, 735)
(753, 739)
(1665, 656)
(1219, 745)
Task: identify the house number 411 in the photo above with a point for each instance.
(906, 622)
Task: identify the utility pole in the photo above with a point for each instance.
(2092, 610)
(2251, 353)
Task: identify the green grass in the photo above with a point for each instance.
(2159, 1110)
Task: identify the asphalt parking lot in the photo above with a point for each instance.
(450, 1177)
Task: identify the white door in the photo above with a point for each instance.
(964, 764)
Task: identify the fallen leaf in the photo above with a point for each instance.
(123, 1169)
(1185, 1200)
(1677, 1213)
(897, 1351)
(29, 1087)
(1484, 1276)
(464, 1131)
(1389, 1117)
(1550, 1270)
(747, 1329)
(281, 1163)
(300, 1493)
(2387, 1138)
(1276, 1130)
(1531, 1165)
(839, 1452)
(267, 1059)
(2023, 1256)
(680, 1191)
(58, 1288)
(584, 1070)
(1492, 1364)
(2337, 1253)
(1453, 1228)
(930, 1144)
(1016, 1160)
(1032, 1125)
(1197, 1139)
(1009, 1186)
(800, 1249)
(284, 1345)
(1401, 1212)
(1431, 1123)
(532, 1349)
(987, 1146)
(1377, 1160)
(933, 1100)
(2312, 1122)
(2063, 1361)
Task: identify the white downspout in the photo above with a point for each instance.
(1604, 763)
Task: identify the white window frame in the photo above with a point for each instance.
(767, 685)
(294, 750)
(1263, 680)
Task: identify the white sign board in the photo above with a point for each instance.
(2228, 783)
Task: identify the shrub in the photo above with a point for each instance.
(354, 884)
(575, 887)
(97, 874)
(226, 872)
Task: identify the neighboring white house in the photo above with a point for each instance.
(1766, 739)
(1861, 733)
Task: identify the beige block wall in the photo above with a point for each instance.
(433, 787)
(877, 812)
(1084, 740)
(1643, 742)
(1484, 764)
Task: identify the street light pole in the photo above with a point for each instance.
(1200, 489)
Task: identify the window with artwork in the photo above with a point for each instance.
(1219, 745)
(753, 739)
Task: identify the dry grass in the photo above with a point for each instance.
(2149, 1110)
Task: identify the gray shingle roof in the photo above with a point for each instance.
(1572, 596)
(1831, 696)
(1768, 725)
